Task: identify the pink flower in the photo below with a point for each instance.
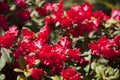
(36, 73)
(20, 3)
(115, 13)
(70, 74)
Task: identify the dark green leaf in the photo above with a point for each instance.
(22, 62)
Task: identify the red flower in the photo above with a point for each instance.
(70, 74)
(64, 41)
(20, 3)
(115, 13)
(108, 47)
(74, 53)
(43, 34)
(23, 48)
(27, 34)
(41, 11)
(3, 7)
(50, 56)
(109, 53)
(30, 60)
(95, 48)
(7, 39)
(24, 15)
(36, 73)
(3, 21)
(65, 22)
(100, 15)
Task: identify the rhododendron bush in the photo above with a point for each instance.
(41, 40)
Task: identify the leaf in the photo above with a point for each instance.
(22, 62)
(55, 78)
(6, 54)
(93, 65)
(1, 31)
(27, 74)
(21, 77)
(2, 77)
(2, 63)
(100, 71)
(18, 70)
(37, 62)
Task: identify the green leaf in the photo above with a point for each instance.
(1, 31)
(2, 63)
(2, 77)
(18, 70)
(21, 77)
(100, 71)
(55, 78)
(37, 62)
(27, 74)
(22, 62)
(6, 54)
(93, 65)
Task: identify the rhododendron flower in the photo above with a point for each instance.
(109, 53)
(27, 34)
(43, 34)
(7, 39)
(115, 13)
(74, 53)
(41, 11)
(23, 48)
(36, 73)
(82, 61)
(30, 60)
(77, 31)
(65, 22)
(3, 22)
(24, 15)
(91, 25)
(20, 3)
(115, 41)
(108, 47)
(95, 48)
(49, 57)
(70, 74)
(100, 15)
(3, 7)
(65, 42)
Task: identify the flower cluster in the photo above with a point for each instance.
(108, 48)
(41, 41)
